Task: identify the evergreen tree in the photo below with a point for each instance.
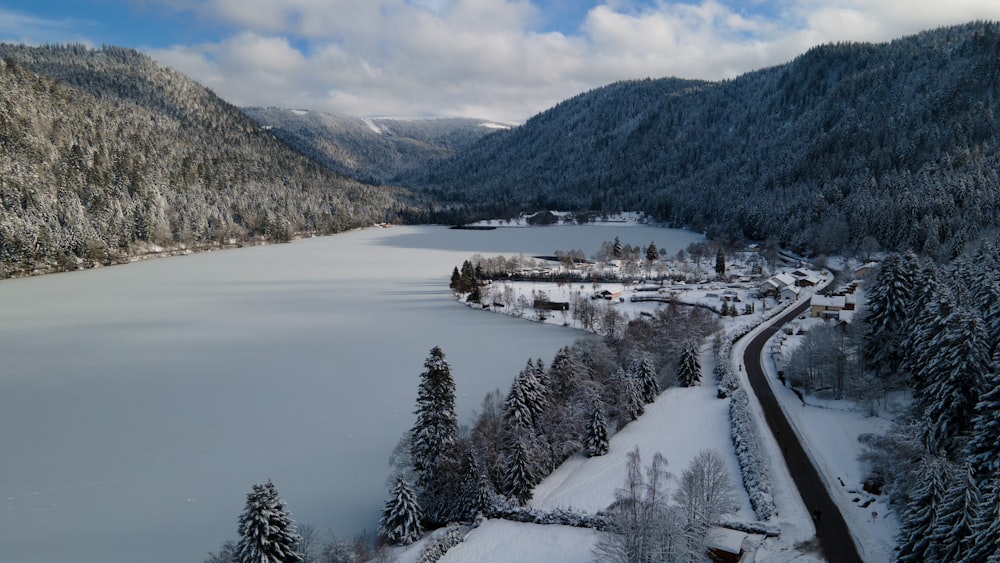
(645, 370)
(517, 412)
(401, 517)
(434, 436)
(267, 532)
(596, 437)
(631, 404)
(652, 253)
(984, 542)
(456, 279)
(954, 377)
(564, 374)
(920, 514)
(520, 476)
(886, 319)
(720, 262)
(689, 367)
(956, 515)
(616, 248)
(984, 449)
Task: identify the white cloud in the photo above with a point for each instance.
(487, 58)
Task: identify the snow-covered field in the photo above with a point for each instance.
(681, 423)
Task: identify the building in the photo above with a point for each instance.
(827, 306)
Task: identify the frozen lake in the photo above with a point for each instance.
(139, 403)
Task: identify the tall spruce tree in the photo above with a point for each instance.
(956, 515)
(267, 532)
(434, 437)
(983, 544)
(520, 475)
(401, 517)
(920, 514)
(984, 449)
(720, 262)
(886, 319)
(645, 370)
(596, 436)
(689, 367)
(954, 377)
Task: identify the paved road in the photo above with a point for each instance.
(834, 537)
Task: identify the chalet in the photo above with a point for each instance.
(827, 306)
(805, 278)
(607, 294)
(789, 293)
(864, 270)
(774, 284)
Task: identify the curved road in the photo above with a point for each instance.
(834, 537)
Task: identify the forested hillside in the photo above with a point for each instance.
(849, 145)
(107, 155)
(376, 150)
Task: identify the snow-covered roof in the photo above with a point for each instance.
(725, 539)
(791, 289)
(783, 279)
(828, 301)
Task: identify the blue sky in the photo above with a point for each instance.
(499, 59)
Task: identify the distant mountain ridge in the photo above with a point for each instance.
(891, 145)
(106, 155)
(374, 150)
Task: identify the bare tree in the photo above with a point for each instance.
(706, 490)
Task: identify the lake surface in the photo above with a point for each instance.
(139, 403)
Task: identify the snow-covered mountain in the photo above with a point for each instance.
(374, 150)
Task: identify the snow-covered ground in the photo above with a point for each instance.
(682, 422)
(829, 429)
(679, 424)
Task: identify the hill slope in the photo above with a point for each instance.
(847, 145)
(374, 150)
(107, 155)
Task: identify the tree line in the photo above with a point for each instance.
(931, 331)
(106, 155)
(847, 148)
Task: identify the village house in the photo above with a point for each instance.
(774, 284)
(828, 306)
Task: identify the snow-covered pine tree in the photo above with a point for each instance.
(520, 476)
(931, 306)
(689, 367)
(517, 414)
(563, 375)
(984, 451)
(720, 262)
(401, 517)
(537, 390)
(652, 253)
(596, 437)
(886, 319)
(956, 515)
(434, 437)
(920, 514)
(435, 432)
(267, 532)
(984, 542)
(645, 370)
(954, 378)
(630, 403)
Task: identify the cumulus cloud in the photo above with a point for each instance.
(495, 59)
